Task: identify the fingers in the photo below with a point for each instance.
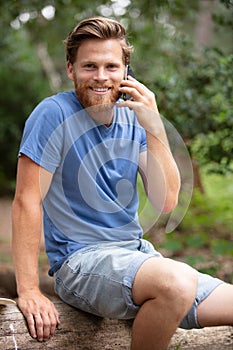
(42, 326)
(132, 82)
(45, 326)
(139, 92)
(132, 88)
(143, 103)
(42, 317)
(31, 325)
(39, 328)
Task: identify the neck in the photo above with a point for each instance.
(102, 113)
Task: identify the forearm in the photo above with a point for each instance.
(26, 233)
(163, 179)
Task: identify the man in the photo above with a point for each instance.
(78, 160)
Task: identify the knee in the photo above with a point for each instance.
(171, 284)
(181, 287)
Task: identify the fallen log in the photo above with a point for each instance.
(82, 331)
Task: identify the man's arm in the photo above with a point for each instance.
(32, 185)
(157, 166)
(160, 175)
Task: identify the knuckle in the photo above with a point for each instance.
(53, 323)
(46, 323)
(39, 323)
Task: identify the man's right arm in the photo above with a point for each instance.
(32, 185)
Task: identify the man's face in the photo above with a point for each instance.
(97, 72)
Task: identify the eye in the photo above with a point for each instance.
(89, 66)
(112, 66)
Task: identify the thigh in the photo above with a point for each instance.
(217, 308)
(99, 279)
(206, 297)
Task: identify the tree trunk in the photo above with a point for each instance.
(202, 36)
(204, 24)
(197, 176)
(48, 67)
(82, 331)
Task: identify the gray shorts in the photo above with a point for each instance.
(99, 278)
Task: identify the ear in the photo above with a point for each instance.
(70, 70)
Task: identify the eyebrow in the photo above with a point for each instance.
(89, 61)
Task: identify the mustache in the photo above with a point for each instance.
(98, 86)
(102, 86)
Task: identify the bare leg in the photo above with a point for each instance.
(165, 289)
(217, 308)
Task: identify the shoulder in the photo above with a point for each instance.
(65, 102)
(55, 109)
(65, 98)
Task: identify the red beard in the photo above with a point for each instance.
(88, 99)
(99, 107)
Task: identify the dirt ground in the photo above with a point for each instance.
(7, 285)
(5, 232)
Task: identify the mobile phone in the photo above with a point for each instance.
(128, 71)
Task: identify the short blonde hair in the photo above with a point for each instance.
(97, 28)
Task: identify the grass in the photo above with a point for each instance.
(179, 345)
(213, 210)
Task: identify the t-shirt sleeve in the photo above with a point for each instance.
(143, 143)
(42, 136)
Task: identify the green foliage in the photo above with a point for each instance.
(198, 101)
(222, 247)
(21, 84)
(213, 210)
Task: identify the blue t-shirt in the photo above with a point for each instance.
(92, 197)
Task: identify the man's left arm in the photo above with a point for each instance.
(157, 166)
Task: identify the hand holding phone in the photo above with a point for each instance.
(128, 71)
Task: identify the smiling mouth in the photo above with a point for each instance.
(100, 90)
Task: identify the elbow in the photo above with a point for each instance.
(169, 205)
(171, 199)
(165, 195)
(165, 203)
(172, 195)
(165, 206)
(25, 205)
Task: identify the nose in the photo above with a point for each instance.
(101, 74)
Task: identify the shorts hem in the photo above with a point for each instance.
(129, 278)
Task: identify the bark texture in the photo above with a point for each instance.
(82, 331)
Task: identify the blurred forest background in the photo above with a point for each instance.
(184, 53)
